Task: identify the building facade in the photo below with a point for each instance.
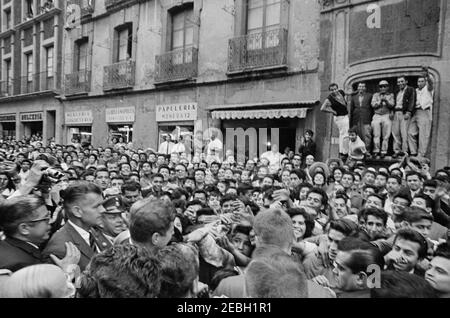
(369, 41)
(144, 69)
(30, 72)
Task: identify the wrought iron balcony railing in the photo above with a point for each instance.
(258, 50)
(119, 75)
(110, 4)
(6, 88)
(177, 65)
(77, 82)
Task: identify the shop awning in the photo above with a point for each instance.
(263, 110)
(260, 113)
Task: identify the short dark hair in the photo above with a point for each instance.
(398, 284)
(378, 213)
(362, 254)
(430, 183)
(414, 173)
(17, 210)
(122, 271)
(78, 191)
(397, 178)
(429, 203)
(343, 226)
(309, 219)
(151, 216)
(443, 250)
(131, 186)
(157, 175)
(322, 193)
(415, 214)
(228, 197)
(333, 85)
(413, 236)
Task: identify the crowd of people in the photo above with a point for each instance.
(405, 115)
(80, 221)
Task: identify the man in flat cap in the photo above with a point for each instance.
(113, 222)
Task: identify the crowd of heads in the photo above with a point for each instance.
(121, 222)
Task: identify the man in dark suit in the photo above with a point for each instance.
(404, 108)
(83, 206)
(25, 222)
(361, 113)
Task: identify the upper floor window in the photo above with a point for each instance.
(29, 66)
(124, 43)
(7, 19)
(81, 55)
(263, 15)
(182, 29)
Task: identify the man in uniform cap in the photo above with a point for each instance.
(113, 222)
(383, 103)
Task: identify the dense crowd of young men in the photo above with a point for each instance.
(79, 221)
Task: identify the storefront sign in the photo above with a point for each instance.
(37, 116)
(10, 118)
(176, 112)
(120, 115)
(78, 117)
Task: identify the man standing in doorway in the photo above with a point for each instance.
(405, 103)
(420, 127)
(361, 113)
(337, 105)
(383, 102)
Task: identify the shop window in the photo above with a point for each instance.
(182, 133)
(82, 134)
(124, 131)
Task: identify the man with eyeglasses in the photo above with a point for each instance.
(25, 221)
(382, 103)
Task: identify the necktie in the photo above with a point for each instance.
(91, 241)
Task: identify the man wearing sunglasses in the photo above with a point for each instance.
(25, 222)
(383, 102)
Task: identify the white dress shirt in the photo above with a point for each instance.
(424, 98)
(83, 233)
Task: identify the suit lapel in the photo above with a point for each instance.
(84, 248)
(27, 248)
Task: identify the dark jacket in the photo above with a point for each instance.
(57, 247)
(100, 239)
(409, 100)
(361, 113)
(307, 148)
(16, 254)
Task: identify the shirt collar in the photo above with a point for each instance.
(83, 233)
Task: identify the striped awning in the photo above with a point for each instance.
(260, 113)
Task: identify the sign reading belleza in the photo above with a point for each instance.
(176, 112)
(37, 116)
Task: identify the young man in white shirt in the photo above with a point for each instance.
(419, 130)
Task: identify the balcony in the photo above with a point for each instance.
(119, 75)
(113, 4)
(255, 51)
(177, 65)
(77, 82)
